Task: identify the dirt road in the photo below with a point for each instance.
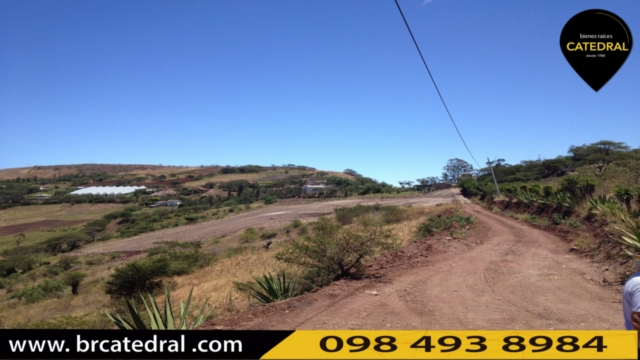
(268, 216)
(507, 276)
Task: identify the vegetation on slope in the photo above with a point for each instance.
(597, 182)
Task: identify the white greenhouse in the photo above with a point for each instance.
(107, 190)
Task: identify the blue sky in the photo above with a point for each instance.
(330, 84)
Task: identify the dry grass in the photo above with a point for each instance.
(216, 281)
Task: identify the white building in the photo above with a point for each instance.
(107, 190)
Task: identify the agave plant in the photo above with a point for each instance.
(586, 187)
(510, 191)
(535, 189)
(624, 195)
(565, 200)
(269, 288)
(629, 232)
(156, 319)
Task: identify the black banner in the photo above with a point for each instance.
(137, 344)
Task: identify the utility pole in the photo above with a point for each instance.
(489, 162)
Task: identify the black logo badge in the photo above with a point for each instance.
(596, 43)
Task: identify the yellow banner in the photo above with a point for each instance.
(472, 344)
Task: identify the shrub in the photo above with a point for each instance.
(73, 279)
(469, 188)
(95, 260)
(268, 235)
(557, 219)
(437, 223)
(53, 271)
(45, 290)
(249, 235)
(268, 199)
(331, 251)
(191, 218)
(181, 257)
(137, 277)
(17, 264)
(67, 262)
(65, 243)
(295, 223)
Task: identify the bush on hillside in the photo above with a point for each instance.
(386, 214)
(17, 265)
(136, 278)
(249, 235)
(332, 251)
(441, 222)
(73, 279)
(268, 199)
(45, 290)
(65, 243)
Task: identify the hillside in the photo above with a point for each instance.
(590, 197)
(50, 171)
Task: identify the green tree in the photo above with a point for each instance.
(137, 277)
(599, 154)
(18, 238)
(456, 167)
(73, 279)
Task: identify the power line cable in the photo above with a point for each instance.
(434, 83)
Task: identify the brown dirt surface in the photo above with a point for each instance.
(38, 225)
(269, 216)
(505, 276)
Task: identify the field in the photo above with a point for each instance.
(40, 222)
(32, 214)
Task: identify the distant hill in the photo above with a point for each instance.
(193, 175)
(111, 169)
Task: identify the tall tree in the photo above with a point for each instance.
(599, 154)
(455, 168)
(351, 172)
